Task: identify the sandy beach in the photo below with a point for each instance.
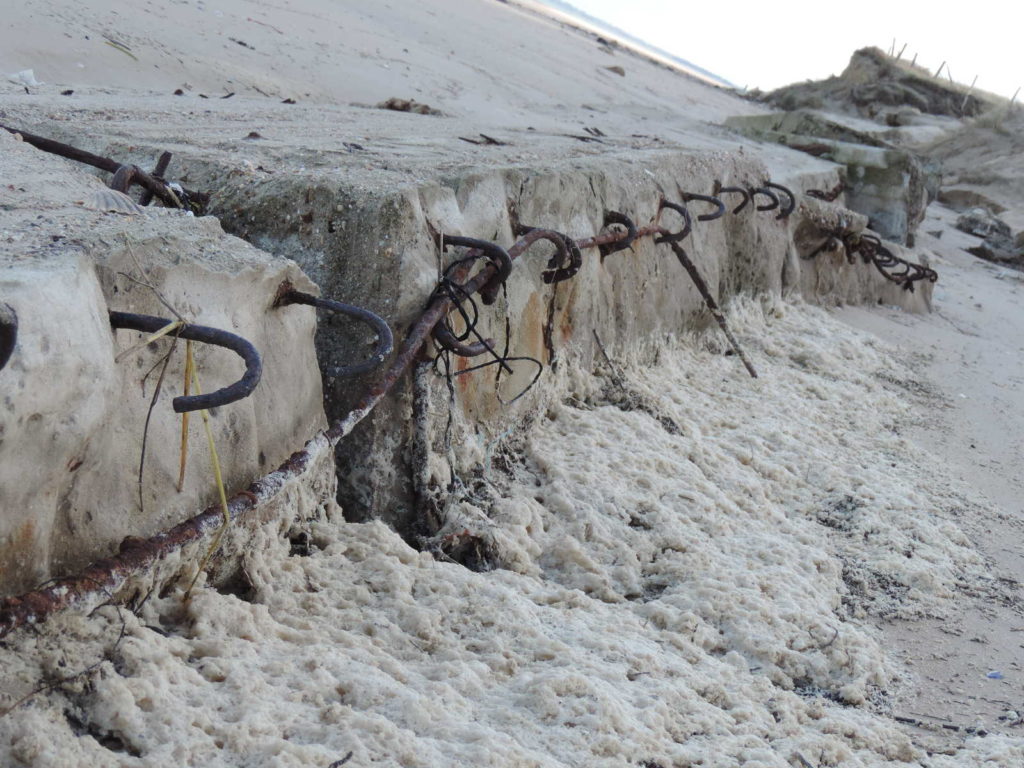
(685, 566)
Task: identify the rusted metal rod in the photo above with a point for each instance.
(108, 576)
(240, 389)
(385, 339)
(138, 176)
(712, 305)
(158, 173)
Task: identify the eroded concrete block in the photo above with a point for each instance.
(73, 412)
(891, 186)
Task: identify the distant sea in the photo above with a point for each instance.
(573, 15)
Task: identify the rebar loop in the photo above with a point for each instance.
(674, 237)
(229, 394)
(614, 217)
(689, 197)
(385, 339)
(498, 256)
(566, 249)
(720, 190)
(790, 205)
(773, 199)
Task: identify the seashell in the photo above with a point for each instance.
(117, 202)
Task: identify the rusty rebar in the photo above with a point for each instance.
(612, 218)
(229, 394)
(790, 206)
(498, 256)
(159, 172)
(105, 577)
(719, 211)
(158, 188)
(719, 190)
(385, 339)
(773, 199)
(709, 300)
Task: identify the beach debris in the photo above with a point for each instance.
(994, 675)
(828, 196)
(117, 45)
(584, 139)
(289, 100)
(25, 77)
(252, 136)
(126, 175)
(616, 69)
(112, 201)
(485, 139)
(998, 244)
(67, 92)
(981, 222)
(408, 105)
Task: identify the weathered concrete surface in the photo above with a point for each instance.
(891, 186)
(633, 300)
(73, 414)
(358, 220)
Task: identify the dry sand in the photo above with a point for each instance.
(700, 570)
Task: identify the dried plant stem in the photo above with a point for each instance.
(184, 417)
(215, 461)
(169, 328)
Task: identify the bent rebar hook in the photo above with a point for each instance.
(675, 237)
(719, 189)
(240, 389)
(719, 205)
(385, 339)
(565, 248)
(772, 197)
(788, 208)
(8, 332)
(498, 255)
(614, 217)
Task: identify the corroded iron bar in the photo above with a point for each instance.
(137, 175)
(229, 394)
(385, 339)
(106, 577)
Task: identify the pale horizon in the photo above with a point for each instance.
(760, 45)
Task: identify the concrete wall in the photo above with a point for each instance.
(374, 246)
(72, 414)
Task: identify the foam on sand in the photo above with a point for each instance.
(689, 558)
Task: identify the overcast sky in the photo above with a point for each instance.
(769, 44)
